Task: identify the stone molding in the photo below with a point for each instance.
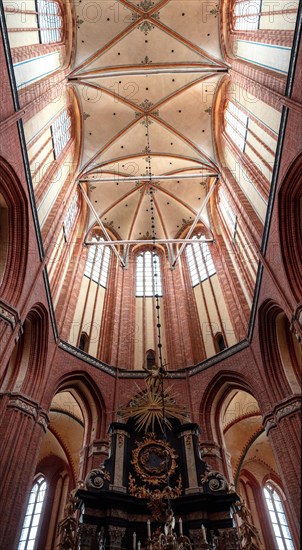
(281, 410)
(9, 314)
(29, 407)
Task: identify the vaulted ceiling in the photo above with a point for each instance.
(146, 75)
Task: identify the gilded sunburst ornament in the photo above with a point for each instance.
(153, 405)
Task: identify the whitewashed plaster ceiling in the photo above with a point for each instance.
(155, 64)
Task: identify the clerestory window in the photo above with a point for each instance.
(50, 22)
(247, 15)
(236, 124)
(97, 264)
(200, 262)
(70, 217)
(33, 515)
(60, 132)
(278, 518)
(227, 211)
(148, 275)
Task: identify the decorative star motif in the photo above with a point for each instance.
(153, 406)
(146, 5)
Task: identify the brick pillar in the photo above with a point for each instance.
(283, 428)
(22, 427)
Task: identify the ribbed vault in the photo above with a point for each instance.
(154, 65)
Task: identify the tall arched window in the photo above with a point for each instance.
(44, 22)
(254, 15)
(227, 212)
(278, 519)
(148, 275)
(97, 264)
(70, 217)
(60, 132)
(247, 15)
(236, 125)
(200, 261)
(49, 21)
(33, 515)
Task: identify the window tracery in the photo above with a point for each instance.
(33, 515)
(200, 262)
(97, 264)
(50, 21)
(227, 211)
(278, 518)
(70, 217)
(247, 15)
(236, 125)
(148, 275)
(61, 132)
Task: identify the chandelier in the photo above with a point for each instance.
(166, 539)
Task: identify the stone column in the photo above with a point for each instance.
(116, 534)
(87, 536)
(189, 435)
(119, 434)
(23, 424)
(283, 428)
(228, 540)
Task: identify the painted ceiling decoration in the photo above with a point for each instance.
(152, 65)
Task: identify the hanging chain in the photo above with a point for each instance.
(162, 371)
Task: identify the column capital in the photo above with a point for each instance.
(283, 408)
(9, 314)
(25, 404)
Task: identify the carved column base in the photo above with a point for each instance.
(86, 536)
(116, 534)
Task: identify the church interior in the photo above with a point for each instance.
(150, 274)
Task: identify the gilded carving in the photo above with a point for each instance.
(116, 534)
(153, 405)
(155, 496)
(153, 459)
(248, 534)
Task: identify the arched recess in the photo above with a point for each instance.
(290, 226)
(26, 368)
(281, 353)
(59, 461)
(58, 478)
(214, 394)
(70, 447)
(14, 234)
(92, 405)
(246, 449)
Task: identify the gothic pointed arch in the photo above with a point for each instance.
(290, 225)
(25, 371)
(14, 234)
(280, 352)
